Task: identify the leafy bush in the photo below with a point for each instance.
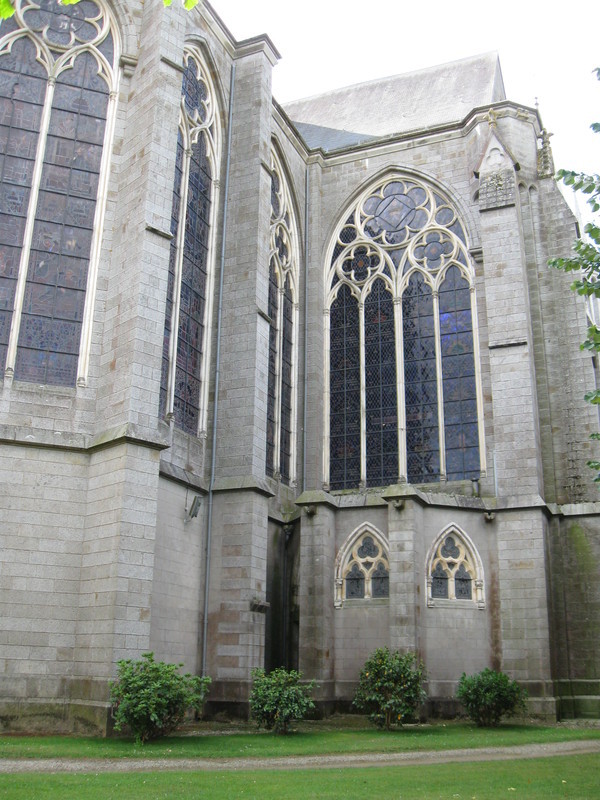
(488, 696)
(390, 687)
(151, 697)
(278, 698)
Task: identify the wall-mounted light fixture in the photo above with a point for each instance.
(194, 508)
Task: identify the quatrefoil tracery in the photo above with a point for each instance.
(396, 228)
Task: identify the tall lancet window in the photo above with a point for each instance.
(58, 85)
(403, 384)
(183, 395)
(283, 310)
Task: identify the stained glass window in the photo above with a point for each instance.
(439, 584)
(459, 381)
(462, 583)
(380, 377)
(400, 292)
(53, 254)
(283, 278)
(286, 383)
(420, 382)
(380, 581)
(355, 582)
(186, 406)
(189, 261)
(48, 347)
(344, 387)
(272, 384)
(22, 91)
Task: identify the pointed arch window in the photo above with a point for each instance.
(183, 395)
(404, 394)
(282, 309)
(58, 89)
(362, 570)
(454, 571)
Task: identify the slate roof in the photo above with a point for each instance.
(398, 104)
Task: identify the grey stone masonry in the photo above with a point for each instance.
(402, 526)
(245, 331)
(514, 400)
(317, 557)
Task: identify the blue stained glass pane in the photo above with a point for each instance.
(194, 270)
(62, 234)
(22, 91)
(271, 388)
(286, 384)
(458, 376)
(344, 391)
(275, 204)
(61, 24)
(422, 438)
(380, 382)
(194, 91)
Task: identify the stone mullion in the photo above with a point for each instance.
(400, 396)
(174, 338)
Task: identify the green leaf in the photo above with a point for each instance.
(593, 397)
(6, 9)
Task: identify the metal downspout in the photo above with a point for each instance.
(217, 375)
(306, 241)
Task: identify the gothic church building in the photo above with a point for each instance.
(281, 385)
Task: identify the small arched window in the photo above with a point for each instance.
(362, 567)
(454, 571)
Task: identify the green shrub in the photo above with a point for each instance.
(390, 687)
(278, 698)
(488, 696)
(151, 697)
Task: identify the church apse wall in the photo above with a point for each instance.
(341, 349)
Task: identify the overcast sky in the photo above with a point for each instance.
(326, 44)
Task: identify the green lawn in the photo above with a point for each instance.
(312, 739)
(573, 777)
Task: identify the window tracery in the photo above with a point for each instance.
(183, 386)
(454, 570)
(58, 87)
(404, 397)
(362, 567)
(282, 310)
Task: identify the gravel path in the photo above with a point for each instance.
(85, 765)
